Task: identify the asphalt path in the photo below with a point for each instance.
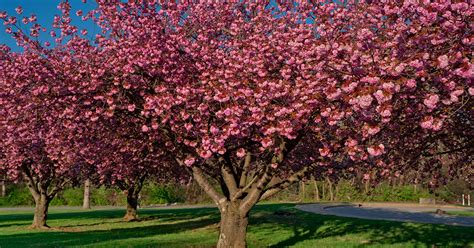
(404, 213)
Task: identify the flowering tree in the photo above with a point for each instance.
(266, 96)
(126, 157)
(35, 143)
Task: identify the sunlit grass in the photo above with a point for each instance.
(274, 225)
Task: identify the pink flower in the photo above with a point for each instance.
(437, 124)
(376, 150)
(471, 91)
(427, 122)
(131, 107)
(79, 13)
(431, 101)
(19, 10)
(205, 154)
(241, 152)
(365, 101)
(188, 126)
(189, 161)
(411, 83)
(324, 151)
(386, 113)
(3, 14)
(274, 165)
(214, 130)
(145, 128)
(443, 61)
(366, 176)
(266, 142)
(371, 130)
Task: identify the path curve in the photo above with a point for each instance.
(392, 213)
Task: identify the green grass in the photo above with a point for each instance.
(462, 213)
(274, 225)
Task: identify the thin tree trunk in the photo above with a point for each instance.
(366, 190)
(331, 193)
(87, 194)
(4, 189)
(316, 190)
(233, 227)
(41, 212)
(302, 191)
(324, 190)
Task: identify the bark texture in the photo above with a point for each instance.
(86, 204)
(132, 203)
(4, 189)
(233, 228)
(41, 212)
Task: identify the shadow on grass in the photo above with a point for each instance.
(187, 219)
(264, 218)
(307, 226)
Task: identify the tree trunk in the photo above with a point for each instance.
(132, 203)
(324, 190)
(331, 193)
(316, 190)
(302, 191)
(233, 227)
(87, 194)
(41, 212)
(4, 189)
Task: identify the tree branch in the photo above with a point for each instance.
(207, 187)
(277, 187)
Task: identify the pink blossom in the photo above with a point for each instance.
(411, 83)
(241, 152)
(431, 101)
(19, 10)
(189, 161)
(131, 107)
(188, 126)
(365, 101)
(145, 128)
(324, 151)
(214, 130)
(443, 61)
(266, 142)
(471, 91)
(427, 122)
(274, 165)
(376, 150)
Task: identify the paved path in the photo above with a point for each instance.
(404, 213)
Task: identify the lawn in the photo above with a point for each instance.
(274, 225)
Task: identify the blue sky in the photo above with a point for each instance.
(45, 11)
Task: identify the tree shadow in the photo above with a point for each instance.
(308, 226)
(186, 220)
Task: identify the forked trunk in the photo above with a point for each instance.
(233, 228)
(41, 212)
(132, 203)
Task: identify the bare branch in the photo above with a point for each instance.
(277, 187)
(207, 187)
